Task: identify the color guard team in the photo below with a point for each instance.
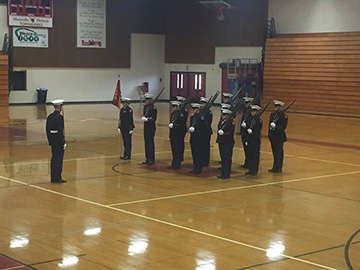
(200, 134)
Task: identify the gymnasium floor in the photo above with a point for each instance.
(114, 214)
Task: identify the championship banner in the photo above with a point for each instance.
(30, 37)
(34, 13)
(91, 23)
(117, 95)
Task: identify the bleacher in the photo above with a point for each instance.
(4, 89)
(320, 71)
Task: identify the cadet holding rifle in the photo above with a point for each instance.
(225, 139)
(244, 119)
(253, 140)
(177, 133)
(208, 118)
(277, 135)
(149, 118)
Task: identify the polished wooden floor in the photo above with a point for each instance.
(114, 214)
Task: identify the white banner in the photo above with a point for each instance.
(30, 37)
(91, 23)
(15, 20)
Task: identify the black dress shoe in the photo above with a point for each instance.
(150, 162)
(277, 171)
(247, 173)
(271, 170)
(191, 171)
(171, 167)
(145, 162)
(250, 173)
(176, 167)
(125, 158)
(219, 168)
(245, 166)
(196, 172)
(59, 182)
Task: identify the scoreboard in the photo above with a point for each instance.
(31, 13)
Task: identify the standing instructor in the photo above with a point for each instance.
(56, 138)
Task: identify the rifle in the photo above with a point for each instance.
(284, 110)
(206, 108)
(181, 109)
(234, 97)
(232, 115)
(257, 117)
(157, 97)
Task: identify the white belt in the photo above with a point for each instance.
(54, 131)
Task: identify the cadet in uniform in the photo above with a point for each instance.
(226, 142)
(245, 116)
(196, 137)
(205, 143)
(186, 114)
(277, 136)
(149, 118)
(56, 138)
(177, 133)
(253, 140)
(126, 127)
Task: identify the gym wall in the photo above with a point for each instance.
(193, 32)
(309, 16)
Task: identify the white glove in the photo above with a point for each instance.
(243, 124)
(64, 146)
(119, 130)
(273, 125)
(144, 119)
(249, 131)
(221, 132)
(131, 132)
(191, 129)
(171, 125)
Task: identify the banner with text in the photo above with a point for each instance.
(30, 37)
(91, 23)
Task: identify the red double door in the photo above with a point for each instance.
(187, 83)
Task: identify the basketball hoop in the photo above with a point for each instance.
(219, 7)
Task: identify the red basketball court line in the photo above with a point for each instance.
(6, 263)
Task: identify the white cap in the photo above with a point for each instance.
(175, 103)
(180, 98)
(147, 95)
(58, 102)
(204, 99)
(125, 99)
(228, 95)
(278, 102)
(225, 106)
(255, 107)
(226, 111)
(248, 99)
(195, 105)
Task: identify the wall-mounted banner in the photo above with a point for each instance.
(30, 37)
(91, 23)
(33, 13)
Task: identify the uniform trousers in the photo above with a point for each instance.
(226, 152)
(277, 147)
(127, 142)
(57, 158)
(253, 149)
(149, 145)
(177, 149)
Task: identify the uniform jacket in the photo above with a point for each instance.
(126, 122)
(228, 136)
(281, 121)
(208, 118)
(245, 116)
(255, 124)
(150, 112)
(179, 123)
(55, 129)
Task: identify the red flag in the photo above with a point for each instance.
(117, 95)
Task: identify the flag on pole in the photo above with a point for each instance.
(117, 95)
